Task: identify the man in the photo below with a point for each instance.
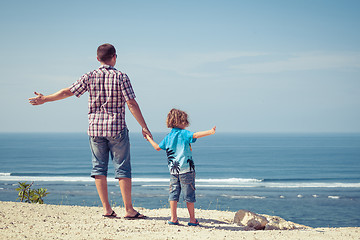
(109, 90)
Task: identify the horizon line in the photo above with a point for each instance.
(227, 132)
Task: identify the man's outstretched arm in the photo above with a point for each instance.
(41, 99)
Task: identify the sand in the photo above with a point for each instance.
(35, 221)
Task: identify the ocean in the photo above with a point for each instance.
(311, 179)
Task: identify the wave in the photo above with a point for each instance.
(307, 179)
(231, 180)
(202, 182)
(11, 177)
(314, 185)
(281, 196)
(45, 179)
(268, 181)
(242, 197)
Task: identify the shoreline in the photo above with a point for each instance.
(34, 221)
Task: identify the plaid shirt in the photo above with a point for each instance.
(109, 89)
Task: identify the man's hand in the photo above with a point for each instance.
(41, 99)
(38, 100)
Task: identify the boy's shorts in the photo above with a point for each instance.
(119, 149)
(184, 182)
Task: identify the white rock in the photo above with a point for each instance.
(250, 219)
(278, 223)
(255, 221)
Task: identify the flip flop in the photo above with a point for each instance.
(112, 215)
(194, 224)
(173, 223)
(137, 216)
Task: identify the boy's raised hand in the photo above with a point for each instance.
(204, 133)
(213, 130)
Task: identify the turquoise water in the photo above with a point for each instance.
(311, 179)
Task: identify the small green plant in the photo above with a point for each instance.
(30, 195)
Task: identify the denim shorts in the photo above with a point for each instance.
(118, 148)
(184, 182)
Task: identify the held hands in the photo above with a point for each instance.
(153, 143)
(38, 100)
(148, 137)
(146, 133)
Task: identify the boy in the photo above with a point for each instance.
(180, 162)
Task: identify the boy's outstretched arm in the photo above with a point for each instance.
(205, 133)
(41, 99)
(153, 143)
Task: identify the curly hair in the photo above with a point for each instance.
(177, 119)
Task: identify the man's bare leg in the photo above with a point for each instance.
(102, 188)
(125, 188)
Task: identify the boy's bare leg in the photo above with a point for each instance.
(125, 188)
(102, 189)
(173, 209)
(191, 209)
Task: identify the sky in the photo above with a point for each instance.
(246, 66)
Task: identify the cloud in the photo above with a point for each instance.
(302, 62)
(188, 64)
(215, 64)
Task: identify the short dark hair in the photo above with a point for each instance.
(105, 52)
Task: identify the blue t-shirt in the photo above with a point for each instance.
(178, 150)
